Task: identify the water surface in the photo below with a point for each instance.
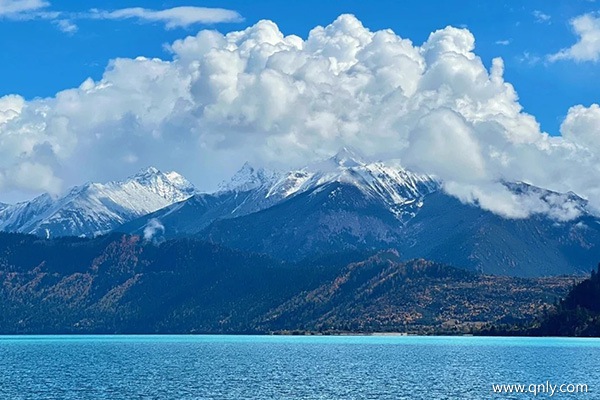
(287, 367)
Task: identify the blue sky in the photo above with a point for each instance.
(37, 59)
(202, 87)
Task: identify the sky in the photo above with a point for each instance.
(93, 92)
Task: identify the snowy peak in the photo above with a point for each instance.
(348, 158)
(248, 178)
(179, 181)
(17, 217)
(390, 184)
(399, 190)
(97, 207)
(171, 186)
(147, 172)
(292, 183)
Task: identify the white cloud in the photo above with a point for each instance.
(153, 228)
(14, 8)
(184, 16)
(541, 17)
(66, 26)
(10, 107)
(582, 127)
(529, 59)
(172, 17)
(260, 96)
(587, 48)
(433, 143)
(504, 42)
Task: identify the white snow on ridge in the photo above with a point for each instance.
(401, 190)
(96, 207)
(248, 178)
(390, 183)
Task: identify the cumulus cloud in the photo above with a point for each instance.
(172, 17)
(10, 107)
(261, 96)
(587, 47)
(582, 126)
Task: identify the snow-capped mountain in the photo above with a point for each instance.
(249, 178)
(96, 208)
(338, 217)
(398, 191)
(340, 204)
(345, 204)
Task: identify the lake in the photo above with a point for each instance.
(292, 367)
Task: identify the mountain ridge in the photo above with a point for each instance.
(95, 208)
(339, 204)
(252, 190)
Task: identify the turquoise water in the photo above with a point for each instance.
(277, 367)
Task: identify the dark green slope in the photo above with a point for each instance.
(578, 314)
(383, 294)
(122, 284)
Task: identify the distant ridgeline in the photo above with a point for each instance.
(122, 284)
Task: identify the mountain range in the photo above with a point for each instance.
(337, 205)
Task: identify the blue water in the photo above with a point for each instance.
(277, 367)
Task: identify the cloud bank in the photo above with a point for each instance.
(261, 96)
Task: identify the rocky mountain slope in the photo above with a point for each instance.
(339, 217)
(345, 203)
